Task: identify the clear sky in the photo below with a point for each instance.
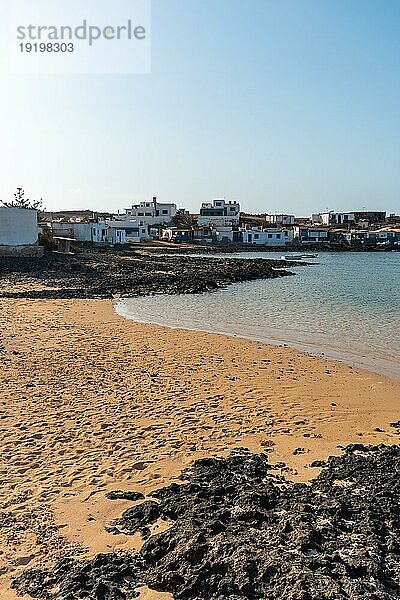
(284, 105)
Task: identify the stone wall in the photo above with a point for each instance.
(28, 250)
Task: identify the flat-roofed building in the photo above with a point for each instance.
(280, 219)
(152, 212)
(19, 232)
(268, 237)
(219, 212)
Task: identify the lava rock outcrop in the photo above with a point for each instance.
(240, 530)
(108, 274)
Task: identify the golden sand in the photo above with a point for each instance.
(91, 402)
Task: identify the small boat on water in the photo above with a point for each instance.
(298, 256)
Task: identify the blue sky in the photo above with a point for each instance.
(285, 105)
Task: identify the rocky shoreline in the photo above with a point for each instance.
(109, 274)
(240, 530)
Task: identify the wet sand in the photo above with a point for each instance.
(91, 402)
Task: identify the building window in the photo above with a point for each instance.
(278, 236)
(208, 212)
(270, 236)
(256, 236)
(140, 214)
(148, 214)
(164, 212)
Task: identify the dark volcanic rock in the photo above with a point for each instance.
(121, 495)
(137, 518)
(106, 577)
(115, 273)
(241, 531)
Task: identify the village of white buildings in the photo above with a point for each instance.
(220, 221)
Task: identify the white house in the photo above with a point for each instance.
(311, 234)
(19, 232)
(219, 212)
(116, 236)
(152, 213)
(141, 222)
(268, 237)
(316, 218)
(183, 234)
(81, 232)
(385, 235)
(135, 230)
(100, 232)
(333, 218)
(280, 219)
(225, 233)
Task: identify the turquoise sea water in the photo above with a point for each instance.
(346, 307)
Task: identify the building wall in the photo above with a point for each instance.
(81, 232)
(224, 234)
(268, 237)
(135, 230)
(219, 213)
(310, 234)
(385, 235)
(183, 233)
(63, 230)
(334, 218)
(97, 233)
(316, 218)
(372, 216)
(116, 236)
(202, 233)
(153, 212)
(280, 219)
(317, 236)
(18, 227)
(138, 234)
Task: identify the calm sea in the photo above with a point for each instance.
(345, 307)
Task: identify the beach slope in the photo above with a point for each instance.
(91, 402)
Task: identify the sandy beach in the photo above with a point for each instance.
(91, 402)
